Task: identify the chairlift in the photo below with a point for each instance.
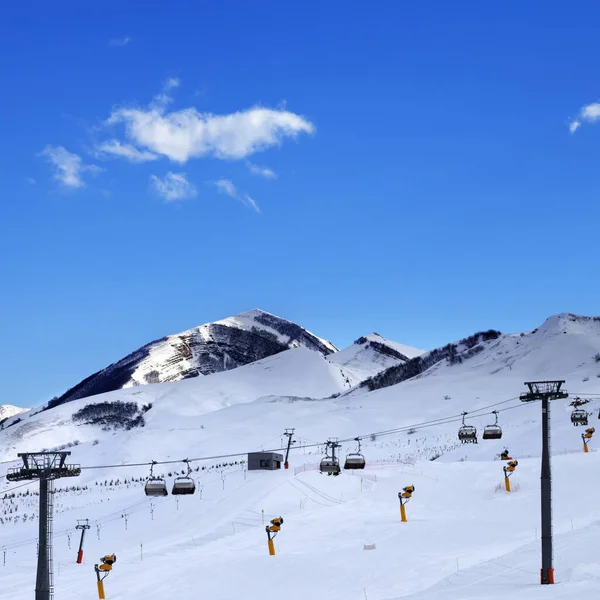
(467, 434)
(155, 486)
(493, 432)
(330, 464)
(355, 460)
(579, 417)
(184, 485)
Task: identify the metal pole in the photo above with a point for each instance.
(547, 575)
(42, 582)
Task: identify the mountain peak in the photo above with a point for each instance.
(209, 348)
(8, 410)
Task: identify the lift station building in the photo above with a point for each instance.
(265, 461)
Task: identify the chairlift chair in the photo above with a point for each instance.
(184, 485)
(155, 486)
(329, 465)
(493, 432)
(579, 417)
(467, 434)
(355, 460)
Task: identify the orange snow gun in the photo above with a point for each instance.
(407, 492)
(589, 432)
(512, 465)
(276, 524)
(504, 455)
(107, 562)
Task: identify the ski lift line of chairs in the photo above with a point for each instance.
(157, 486)
(355, 460)
(493, 432)
(467, 434)
(579, 417)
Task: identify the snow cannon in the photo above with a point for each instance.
(404, 496)
(272, 530)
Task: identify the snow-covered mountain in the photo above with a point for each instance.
(210, 348)
(8, 410)
(465, 537)
(371, 354)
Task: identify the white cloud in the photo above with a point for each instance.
(262, 171)
(225, 186)
(120, 42)
(187, 133)
(250, 202)
(589, 113)
(131, 153)
(69, 168)
(174, 186)
(160, 101)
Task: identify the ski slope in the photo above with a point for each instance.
(466, 538)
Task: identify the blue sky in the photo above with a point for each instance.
(423, 170)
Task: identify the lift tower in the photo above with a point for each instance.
(45, 466)
(290, 434)
(545, 391)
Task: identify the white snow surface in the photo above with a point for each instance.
(8, 410)
(465, 539)
(362, 360)
(408, 351)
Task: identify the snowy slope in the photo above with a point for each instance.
(8, 410)
(211, 348)
(466, 537)
(180, 407)
(370, 355)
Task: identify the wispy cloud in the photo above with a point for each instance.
(261, 171)
(131, 153)
(590, 113)
(173, 186)
(119, 42)
(161, 100)
(31, 180)
(69, 168)
(187, 133)
(225, 186)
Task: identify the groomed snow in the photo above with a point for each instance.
(466, 538)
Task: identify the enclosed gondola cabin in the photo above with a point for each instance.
(156, 487)
(331, 466)
(579, 417)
